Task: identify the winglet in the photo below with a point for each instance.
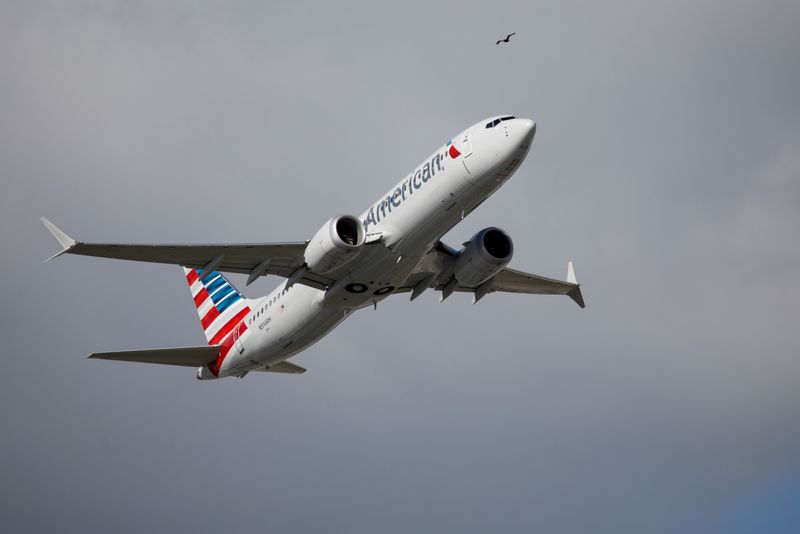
(571, 274)
(66, 241)
(574, 293)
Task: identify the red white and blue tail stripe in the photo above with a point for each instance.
(221, 309)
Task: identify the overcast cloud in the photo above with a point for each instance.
(666, 165)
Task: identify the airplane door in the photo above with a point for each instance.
(466, 143)
(237, 339)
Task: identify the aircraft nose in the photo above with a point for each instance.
(499, 145)
(527, 129)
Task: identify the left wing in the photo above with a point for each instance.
(253, 259)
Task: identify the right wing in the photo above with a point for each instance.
(254, 259)
(436, 271)
(513, 281)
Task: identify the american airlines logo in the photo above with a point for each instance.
(453, 151)
(413, 182)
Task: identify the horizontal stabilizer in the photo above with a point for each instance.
(184, 356)
(284, 367)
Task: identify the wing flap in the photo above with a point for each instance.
(183, 356)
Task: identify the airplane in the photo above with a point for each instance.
(394, 247)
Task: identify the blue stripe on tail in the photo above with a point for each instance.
(220, 295)
(225, 304)
(216, 284)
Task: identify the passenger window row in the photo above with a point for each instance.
(264, 308)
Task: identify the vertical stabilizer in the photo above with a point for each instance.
(220, 306)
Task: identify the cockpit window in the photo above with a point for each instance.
(498, 121)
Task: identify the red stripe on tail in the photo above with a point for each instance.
(212, 314)
(229, 326)
(227, 345)
(201, 297)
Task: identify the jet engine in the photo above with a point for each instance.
(483, 256)
(335, 244)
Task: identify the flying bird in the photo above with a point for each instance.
(506, 39)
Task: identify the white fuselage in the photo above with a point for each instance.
(408, 221)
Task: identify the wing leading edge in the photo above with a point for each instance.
(253, 259)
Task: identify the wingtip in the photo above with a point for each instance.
(571, 274)
(575, 293)
(63, 239)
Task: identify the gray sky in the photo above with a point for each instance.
(666, 166)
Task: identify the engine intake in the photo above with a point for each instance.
(335, 244)
(483, 256)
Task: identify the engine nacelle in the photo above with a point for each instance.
(483, 256)
(335, 244)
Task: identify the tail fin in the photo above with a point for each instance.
(219, 305)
